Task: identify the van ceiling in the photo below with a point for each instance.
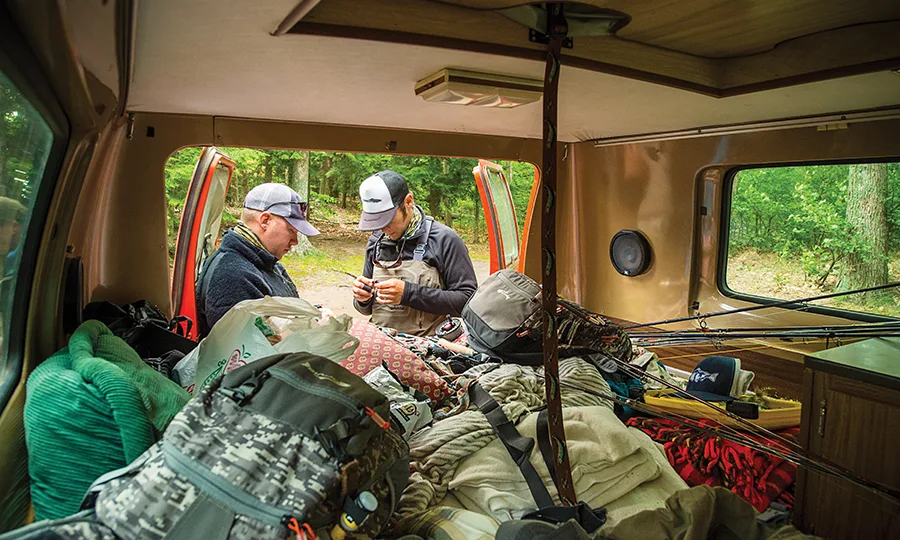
(662, 72)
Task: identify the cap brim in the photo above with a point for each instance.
(709, 396)
(302, 225)
(376, 221)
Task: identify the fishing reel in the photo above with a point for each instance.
(451, 329)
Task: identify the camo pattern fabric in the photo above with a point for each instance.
(251, 454)
(65, 529)
(384, 471)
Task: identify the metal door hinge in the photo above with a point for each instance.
(129, 126)
(822, 410)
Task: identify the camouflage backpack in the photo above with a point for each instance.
(286, 445)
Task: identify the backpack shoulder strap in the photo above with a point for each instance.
(518, 446)
(419, 252)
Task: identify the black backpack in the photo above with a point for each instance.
(504, 320)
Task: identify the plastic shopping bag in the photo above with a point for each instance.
(254, 329)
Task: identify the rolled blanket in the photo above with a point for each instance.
(437, 451)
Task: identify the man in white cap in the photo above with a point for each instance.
(416, 271)
(246, 264)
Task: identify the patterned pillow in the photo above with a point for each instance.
(376, 347)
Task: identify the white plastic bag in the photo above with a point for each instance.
(238, 338)
(409, 413)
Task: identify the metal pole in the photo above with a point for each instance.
(556, 31)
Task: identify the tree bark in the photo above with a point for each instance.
(298, 180)
(867, 216)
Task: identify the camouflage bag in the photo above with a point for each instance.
(280, 446)
(81, 525)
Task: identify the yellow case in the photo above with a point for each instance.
(781, 413)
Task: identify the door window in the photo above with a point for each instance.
(25, 143)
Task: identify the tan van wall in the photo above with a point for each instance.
(120, 222)
(658, 189)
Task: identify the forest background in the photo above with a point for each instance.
(793, 231)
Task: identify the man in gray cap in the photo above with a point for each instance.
(246, 264)
(416, 271)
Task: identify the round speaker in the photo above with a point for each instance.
(629, 252)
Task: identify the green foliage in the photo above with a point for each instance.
(800, 213)
(445, 187)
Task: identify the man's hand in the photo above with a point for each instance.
(362, 289)
(390, 291)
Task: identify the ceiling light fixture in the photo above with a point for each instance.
(461, 87)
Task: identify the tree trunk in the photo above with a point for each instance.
(325, 184)
(867, 216)
(298, 180)
(267, 164)
(434, 202)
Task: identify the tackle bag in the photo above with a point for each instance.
(504, 320)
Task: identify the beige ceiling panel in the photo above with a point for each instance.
(858, 45)
(231, 66)
(485, 31)
(721, 29)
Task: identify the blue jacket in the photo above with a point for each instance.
(237, 271)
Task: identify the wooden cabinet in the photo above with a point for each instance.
(851, 416)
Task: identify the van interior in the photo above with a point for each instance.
(662, 107)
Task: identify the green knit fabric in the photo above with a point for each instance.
(91, 408)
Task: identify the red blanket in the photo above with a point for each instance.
(702, 458)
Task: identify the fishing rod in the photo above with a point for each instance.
(775, 335)
(707, 330)
(800, 304)
(804, 459)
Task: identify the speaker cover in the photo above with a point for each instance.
(629, 252)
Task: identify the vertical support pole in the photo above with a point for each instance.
(556, 31)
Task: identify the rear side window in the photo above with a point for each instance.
(812, 230)
(25, 144)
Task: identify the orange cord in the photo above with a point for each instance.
(304, 532)
(378, 419)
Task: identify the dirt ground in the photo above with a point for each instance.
(321, 279)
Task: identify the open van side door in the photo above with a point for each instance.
(201, 219)
(499, 214)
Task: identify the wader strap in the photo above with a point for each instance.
(519, 447)
(419, 252)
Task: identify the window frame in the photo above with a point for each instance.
(725, 234)
(22, 69)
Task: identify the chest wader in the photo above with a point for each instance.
(404, 318)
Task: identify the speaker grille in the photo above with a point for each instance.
(629, 252)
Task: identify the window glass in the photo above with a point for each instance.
(25, 142)
(803, 231)
(505, 215)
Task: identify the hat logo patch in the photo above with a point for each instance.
(699, 376)
(372, 200)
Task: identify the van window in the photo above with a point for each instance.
(810, 230)
(25, 143)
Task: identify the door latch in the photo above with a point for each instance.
(822, 409)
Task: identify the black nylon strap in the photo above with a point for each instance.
(542, 430)
(519, 447)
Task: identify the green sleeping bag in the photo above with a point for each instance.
(91, 408)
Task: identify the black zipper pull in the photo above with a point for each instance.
(245, 392)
